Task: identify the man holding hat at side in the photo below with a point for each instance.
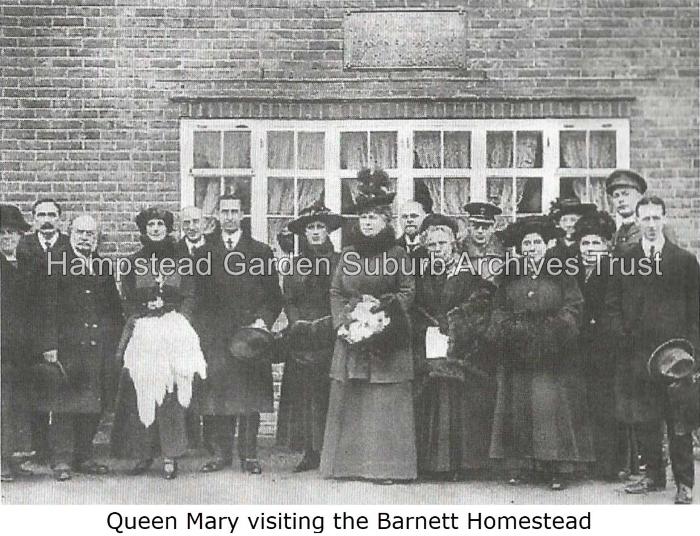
(643, 312)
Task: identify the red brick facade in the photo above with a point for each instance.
(93, 90)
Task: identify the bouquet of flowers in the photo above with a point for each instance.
(366, 321)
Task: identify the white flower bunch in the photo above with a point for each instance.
(364, 323)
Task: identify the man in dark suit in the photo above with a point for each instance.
(32, 256)
(77, 331)
(411, 217)
(236, 294)
(645, 311)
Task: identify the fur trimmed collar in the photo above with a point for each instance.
(369, 246)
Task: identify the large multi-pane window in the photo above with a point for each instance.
(279, 167)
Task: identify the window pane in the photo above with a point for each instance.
(499, 149)
(241, 187)
(458, 149)
(573, 187)
(529, 149)
(280, 195)
(499, 191)
(274, 226)
(434, 189)
(206, 193)
(353, 150)
(280, 149)
(237, 149)
(529, 200)
(309, 191)
(572, 149)
(311, 150)
(426, 150)
(603, 149)
(383, 149)
(456, 195)
(207, 149)
(598, 194)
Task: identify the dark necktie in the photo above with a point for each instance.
(229, 243)
(652, 252)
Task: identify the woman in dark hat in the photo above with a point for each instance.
(565, 212)
(455, 397)
(160, 350)
(14, 417)
(593, 233)
(540, 417)
(304, 399)
(370, 432)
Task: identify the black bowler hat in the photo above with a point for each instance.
(434, 219)
(11, 218)
(673, 360)
(625, 178)
(374, 190)
(569, 205)
(482, 212)
(154, 213)
(598, 223)
(315, 212)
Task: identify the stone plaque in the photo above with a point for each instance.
(404, 39)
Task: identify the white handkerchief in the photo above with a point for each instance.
(435, 343)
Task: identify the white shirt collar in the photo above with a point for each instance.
(658, 245)
(194, 245)
(412, 241)
(51, 241)
(234, 237)
(628, 220)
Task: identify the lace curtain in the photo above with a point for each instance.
(383, 149)
(426, 150)
(572, 149)
(526, 200)
(310, 150)
(457, 194)
(206, 150)
(433, 186)
(353, 150)
(237, 149)
(458, 150)
(280, 149)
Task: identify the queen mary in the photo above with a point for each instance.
(370, 431)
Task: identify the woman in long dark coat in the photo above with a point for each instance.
(14, 418)
(301, 419)
(540, 420)
(161, 353)
(370, 432)
(455, 404)
(593, 232)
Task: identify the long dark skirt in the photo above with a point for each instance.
(301, 419)
(479, 398)
(542, 417)
(369, 431)
(605, 427)
(14, 419)
(130, 437)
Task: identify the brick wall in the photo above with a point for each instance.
(88, 115)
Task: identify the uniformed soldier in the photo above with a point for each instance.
(481, 241)
(626, 188)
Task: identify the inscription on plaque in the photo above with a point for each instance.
(404, 39)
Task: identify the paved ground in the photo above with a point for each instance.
(278, 485)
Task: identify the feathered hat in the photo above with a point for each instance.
(374, 190)
(315, 212)
(569, 205)
(515, 232)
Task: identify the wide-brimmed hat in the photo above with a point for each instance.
(11, 218)
(625, 178)
(482, 212)
(374, 190)
(312, 213)
(570, 205)
(542, 225)
(154, 213)
(434, 219)
(672, 360)
(598, 223)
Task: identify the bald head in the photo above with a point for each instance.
(411, 216)
(83, 234)
(192, 223)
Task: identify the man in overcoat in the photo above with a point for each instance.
(645, 311)
(77, 331)
(32, 255)
(242, 290)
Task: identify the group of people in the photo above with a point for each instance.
(521, 373)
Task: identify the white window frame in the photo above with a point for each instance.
(550, 171)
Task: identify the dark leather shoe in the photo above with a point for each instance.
(140, 468)
(309, 462)
(215, 465)
(92, 468)
(169, 470)
(557, 484)
(253, 467)
(645, 485)
(61, 473)
(684, 495)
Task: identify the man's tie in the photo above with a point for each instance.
(652, 252)
(229, 243)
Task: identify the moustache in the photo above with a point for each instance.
(47, 226)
